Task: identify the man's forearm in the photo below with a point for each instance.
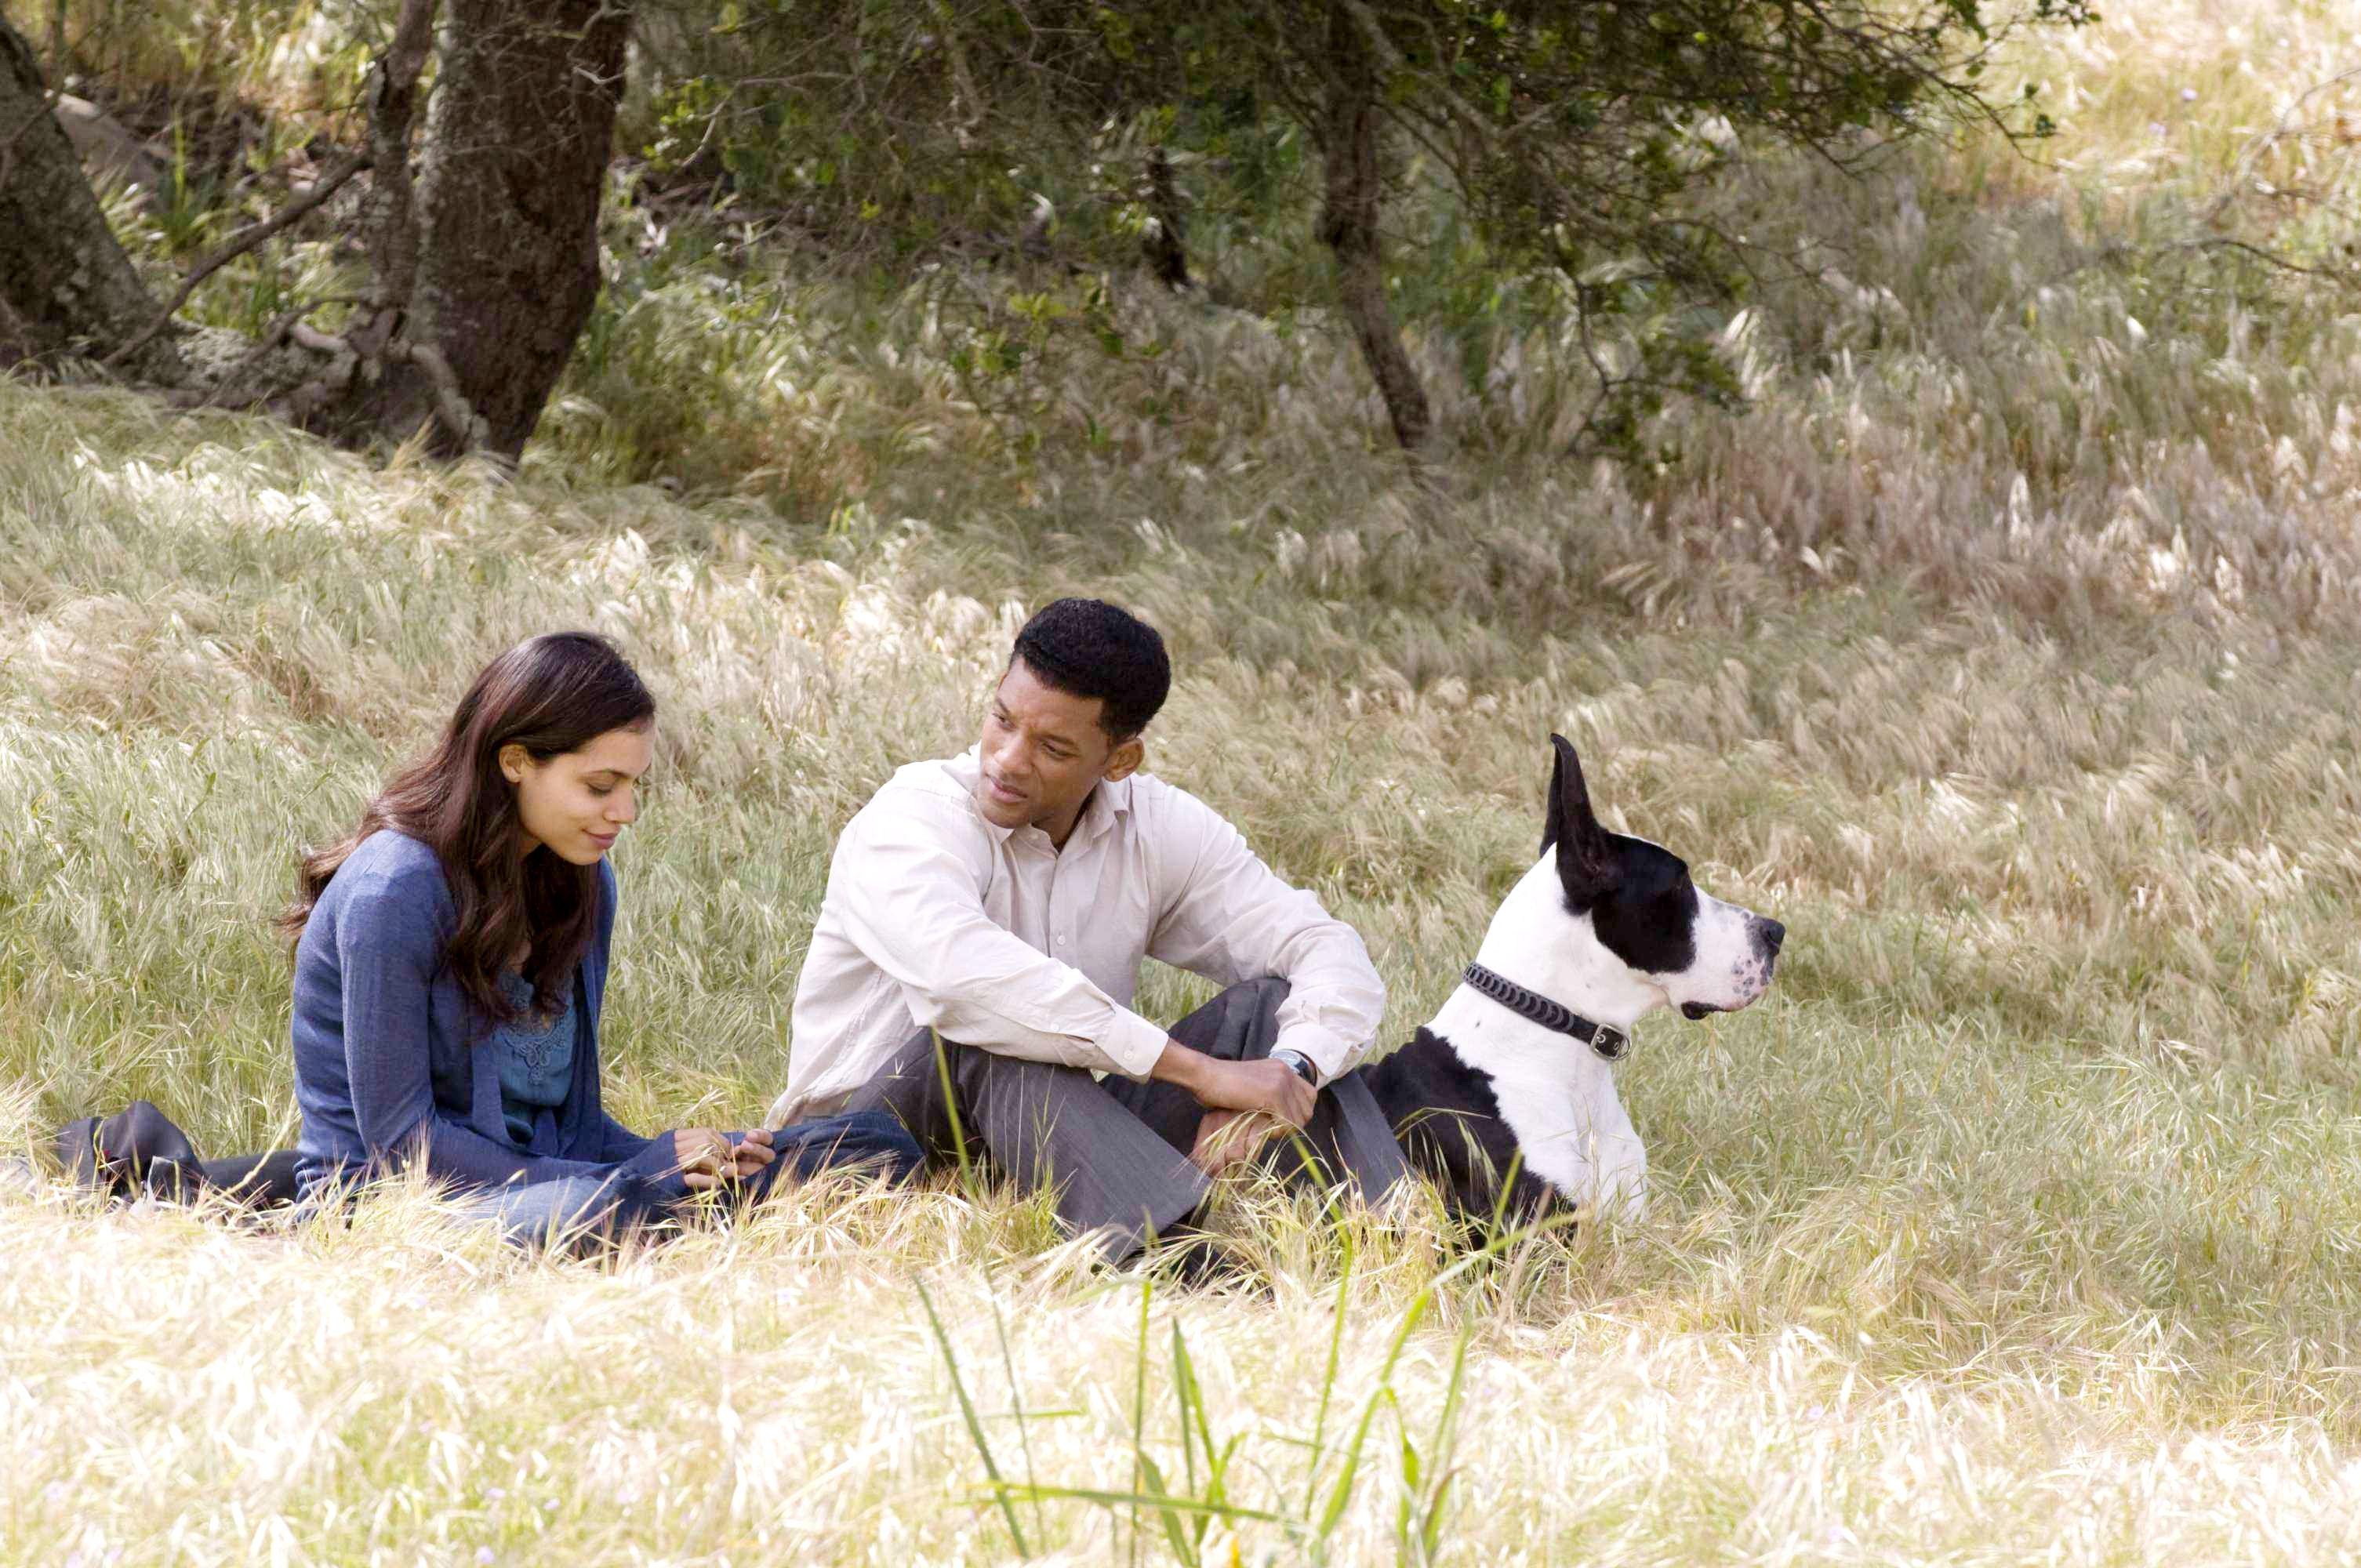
(1182, 1067)
(1219, 1084)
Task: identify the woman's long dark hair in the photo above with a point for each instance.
(550, 694)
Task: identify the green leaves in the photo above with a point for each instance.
(1521, 146)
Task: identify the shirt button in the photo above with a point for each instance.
(1061, 940)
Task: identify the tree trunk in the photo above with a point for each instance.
(66, 287)
(389, 220)
(1167, 247)
(485, 275)
(1351, 126)
(517, 135)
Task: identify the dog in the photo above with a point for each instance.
(1512, 1079)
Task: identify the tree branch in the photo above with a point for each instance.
(2242, 173)
(247, 239)
(2111, 254)
(467, 427)
(963, 88)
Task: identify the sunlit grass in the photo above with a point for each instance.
(2006, 653)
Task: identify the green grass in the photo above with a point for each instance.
(2008, 657)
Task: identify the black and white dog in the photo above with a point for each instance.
(1514, 1073)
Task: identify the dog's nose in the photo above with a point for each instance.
(1771, 934)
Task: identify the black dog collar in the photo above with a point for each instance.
(1531, 1005)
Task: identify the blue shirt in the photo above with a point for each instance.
(386, 1043)
(534, 1056)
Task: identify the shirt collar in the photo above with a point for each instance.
(1110, 800)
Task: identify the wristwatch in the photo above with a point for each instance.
(1301, 1063)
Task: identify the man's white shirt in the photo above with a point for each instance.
(936, 918)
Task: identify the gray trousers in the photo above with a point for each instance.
(1116, 1151)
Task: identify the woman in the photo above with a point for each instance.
(451, 963)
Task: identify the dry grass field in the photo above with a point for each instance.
(2007, 648)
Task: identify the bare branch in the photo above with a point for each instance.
(247, 239)
(962, 80)
(391, 94)
(2243, 172)
(2109, 254)
(2345, 280)
(466, 426)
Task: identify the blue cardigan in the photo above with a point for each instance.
(383, 1039)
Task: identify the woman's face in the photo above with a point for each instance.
(577, 804)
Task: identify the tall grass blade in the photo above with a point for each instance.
(1328, 1371)
(968, 1183)
(974, 1426)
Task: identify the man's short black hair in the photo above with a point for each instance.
(1090, 648)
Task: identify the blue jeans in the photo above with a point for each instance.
(871, 1140)
(575, 1212)
(566, 1212)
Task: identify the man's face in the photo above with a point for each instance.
(1042, 753)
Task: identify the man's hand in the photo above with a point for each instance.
(1270, 1087)
(1226, 1138)
(754, 1152)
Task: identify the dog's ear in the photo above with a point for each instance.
(1584, 864)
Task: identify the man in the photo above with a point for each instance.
(1002, 901)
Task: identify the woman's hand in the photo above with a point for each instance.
(707, 1158)
(701, 1155)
